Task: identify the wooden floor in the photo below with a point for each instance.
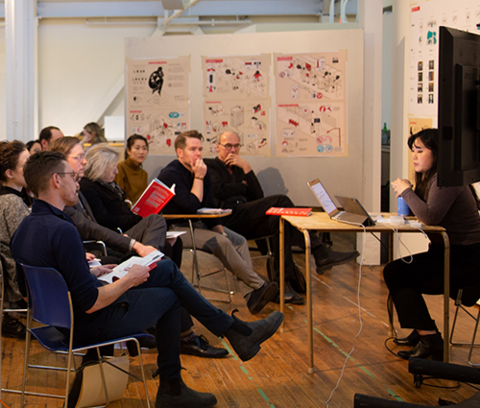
(277, 376)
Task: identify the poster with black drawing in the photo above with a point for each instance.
(158, 94)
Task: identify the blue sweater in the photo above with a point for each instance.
(48, 238)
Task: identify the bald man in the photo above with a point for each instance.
(236, 186)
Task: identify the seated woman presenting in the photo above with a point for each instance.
(455, 209)
(131, 177)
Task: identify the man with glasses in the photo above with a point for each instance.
(236, 186)
(193, 190)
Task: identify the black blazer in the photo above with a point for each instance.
(107, 206)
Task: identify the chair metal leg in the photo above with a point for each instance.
(472, 344)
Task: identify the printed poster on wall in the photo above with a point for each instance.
(237, 97)
(311, 104)
(158, 100)
(425, 19)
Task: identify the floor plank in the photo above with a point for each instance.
(277, 376)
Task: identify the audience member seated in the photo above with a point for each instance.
(93, 134)
(131, 177)
(49, 135)
(89, 229)
(34, 146)
(455, 209)
(13, 209)
(236, 186)
(194, 191)
(139, 300)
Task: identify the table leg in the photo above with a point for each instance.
(391, 328)
(194, 254)
(282, 270)
(446, 299)
(308, 278)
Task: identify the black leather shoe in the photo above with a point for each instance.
(13, 327)
(175, 394)
(290, 296)
(246, 337)
(411, 340)
(326, 259)
(259, 298)
(200, 347)
(428, 346)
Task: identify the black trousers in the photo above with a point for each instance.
(424, 275)
(249, 220)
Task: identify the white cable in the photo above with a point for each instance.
(359, 314)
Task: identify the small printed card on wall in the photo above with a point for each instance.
(154, 198)
(300, 212)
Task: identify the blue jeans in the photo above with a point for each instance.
(158, 302)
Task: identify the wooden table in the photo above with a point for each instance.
(320, 221)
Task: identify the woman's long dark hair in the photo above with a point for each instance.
(429, 138)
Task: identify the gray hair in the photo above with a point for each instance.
(101, 158)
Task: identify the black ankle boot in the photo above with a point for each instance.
(173, 393)
(411, 340)
(246, 338)
(430, 345)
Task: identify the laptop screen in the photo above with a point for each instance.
(322, 196)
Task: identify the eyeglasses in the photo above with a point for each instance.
(75, 175)
(78, 158)
(229, 146)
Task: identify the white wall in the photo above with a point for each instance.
(342, 176)
(78, 65)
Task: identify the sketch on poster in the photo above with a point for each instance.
(425, 19)
(236, 97)
(158, 104)
(248, 118)
(310, 102)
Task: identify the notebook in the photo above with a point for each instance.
(354, 212)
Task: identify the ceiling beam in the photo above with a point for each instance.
(91, 9)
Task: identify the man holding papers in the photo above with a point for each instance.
(193, 190)
(139, 300)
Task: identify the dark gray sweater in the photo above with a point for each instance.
(453, 208)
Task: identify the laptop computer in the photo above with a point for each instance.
(354, 212)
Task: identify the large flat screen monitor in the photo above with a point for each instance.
(458, 108)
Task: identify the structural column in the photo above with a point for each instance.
(21, 27)
(370, 20)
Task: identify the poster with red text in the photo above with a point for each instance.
(311, 104)
(237, 98)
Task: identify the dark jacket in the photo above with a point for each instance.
(89, 229)
(107, 206)
(232, 189)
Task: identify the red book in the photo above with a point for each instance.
(154, 198)
(301, 212)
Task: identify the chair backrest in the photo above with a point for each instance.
(48, 296)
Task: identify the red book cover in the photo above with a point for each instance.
(154, 198)
(301, 212)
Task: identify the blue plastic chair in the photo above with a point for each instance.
(50, 304)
